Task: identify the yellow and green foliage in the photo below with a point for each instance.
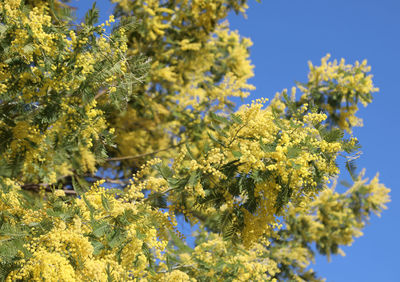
(150, 105)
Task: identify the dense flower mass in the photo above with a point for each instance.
(198, 63)
(278, 158)
(332, 85)
(109, 140)
(49, 76)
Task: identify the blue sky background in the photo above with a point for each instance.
(287, 34)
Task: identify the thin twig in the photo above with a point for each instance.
(236, 134)
(99, 94)
(146, 154)
(108, 180)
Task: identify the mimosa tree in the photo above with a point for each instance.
(108, 138)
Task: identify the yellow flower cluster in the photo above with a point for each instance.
(350, 79)
(333, 215)
(214, 158)
(100, 236)
(340, 83)
(45, 265)
(212, 259)
(177, 275)
(292, 150)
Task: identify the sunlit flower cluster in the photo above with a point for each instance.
(340, 83)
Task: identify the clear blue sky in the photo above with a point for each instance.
(287, 34)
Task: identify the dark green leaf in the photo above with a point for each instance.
(92, 16)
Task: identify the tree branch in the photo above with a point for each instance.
(47, 187)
